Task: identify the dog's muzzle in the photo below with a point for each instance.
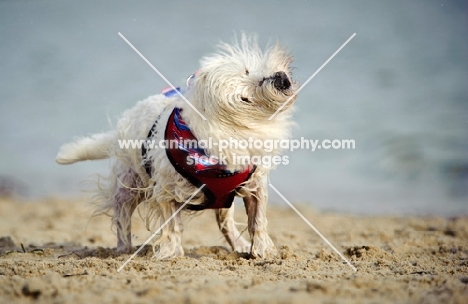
(281, 81)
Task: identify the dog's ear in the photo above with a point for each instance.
(201, 74)
(281, 56)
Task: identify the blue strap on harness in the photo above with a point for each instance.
(169, 92)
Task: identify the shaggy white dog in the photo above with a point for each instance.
(237, 89)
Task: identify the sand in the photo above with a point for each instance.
(53, 251)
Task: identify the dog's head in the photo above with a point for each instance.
(243, 85)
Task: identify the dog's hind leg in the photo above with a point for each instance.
(255, 205)
(126, 200)
(225, 219)
(169, 245)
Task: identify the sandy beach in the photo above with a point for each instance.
(53, 251)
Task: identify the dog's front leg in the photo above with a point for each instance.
(255, 205)
(225, 219)
(169, 245)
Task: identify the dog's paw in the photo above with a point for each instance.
(124, 249)
(262, 246)
(242, 246)
(124, 245)
(167, 249)
(164, 254)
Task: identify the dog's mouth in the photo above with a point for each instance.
(280, 81)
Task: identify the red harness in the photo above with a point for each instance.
(194, 165)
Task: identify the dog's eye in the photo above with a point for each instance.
(246, 72)
(245, 99)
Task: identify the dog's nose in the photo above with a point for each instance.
(281, 81)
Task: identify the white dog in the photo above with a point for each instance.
(236, 90)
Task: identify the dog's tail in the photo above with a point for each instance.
(98, 146)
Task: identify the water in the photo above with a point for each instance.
(398, 89)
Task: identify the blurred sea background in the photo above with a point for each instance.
(399, 89)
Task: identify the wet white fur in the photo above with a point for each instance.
(235, 71)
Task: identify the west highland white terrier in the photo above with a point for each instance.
(233, 95)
